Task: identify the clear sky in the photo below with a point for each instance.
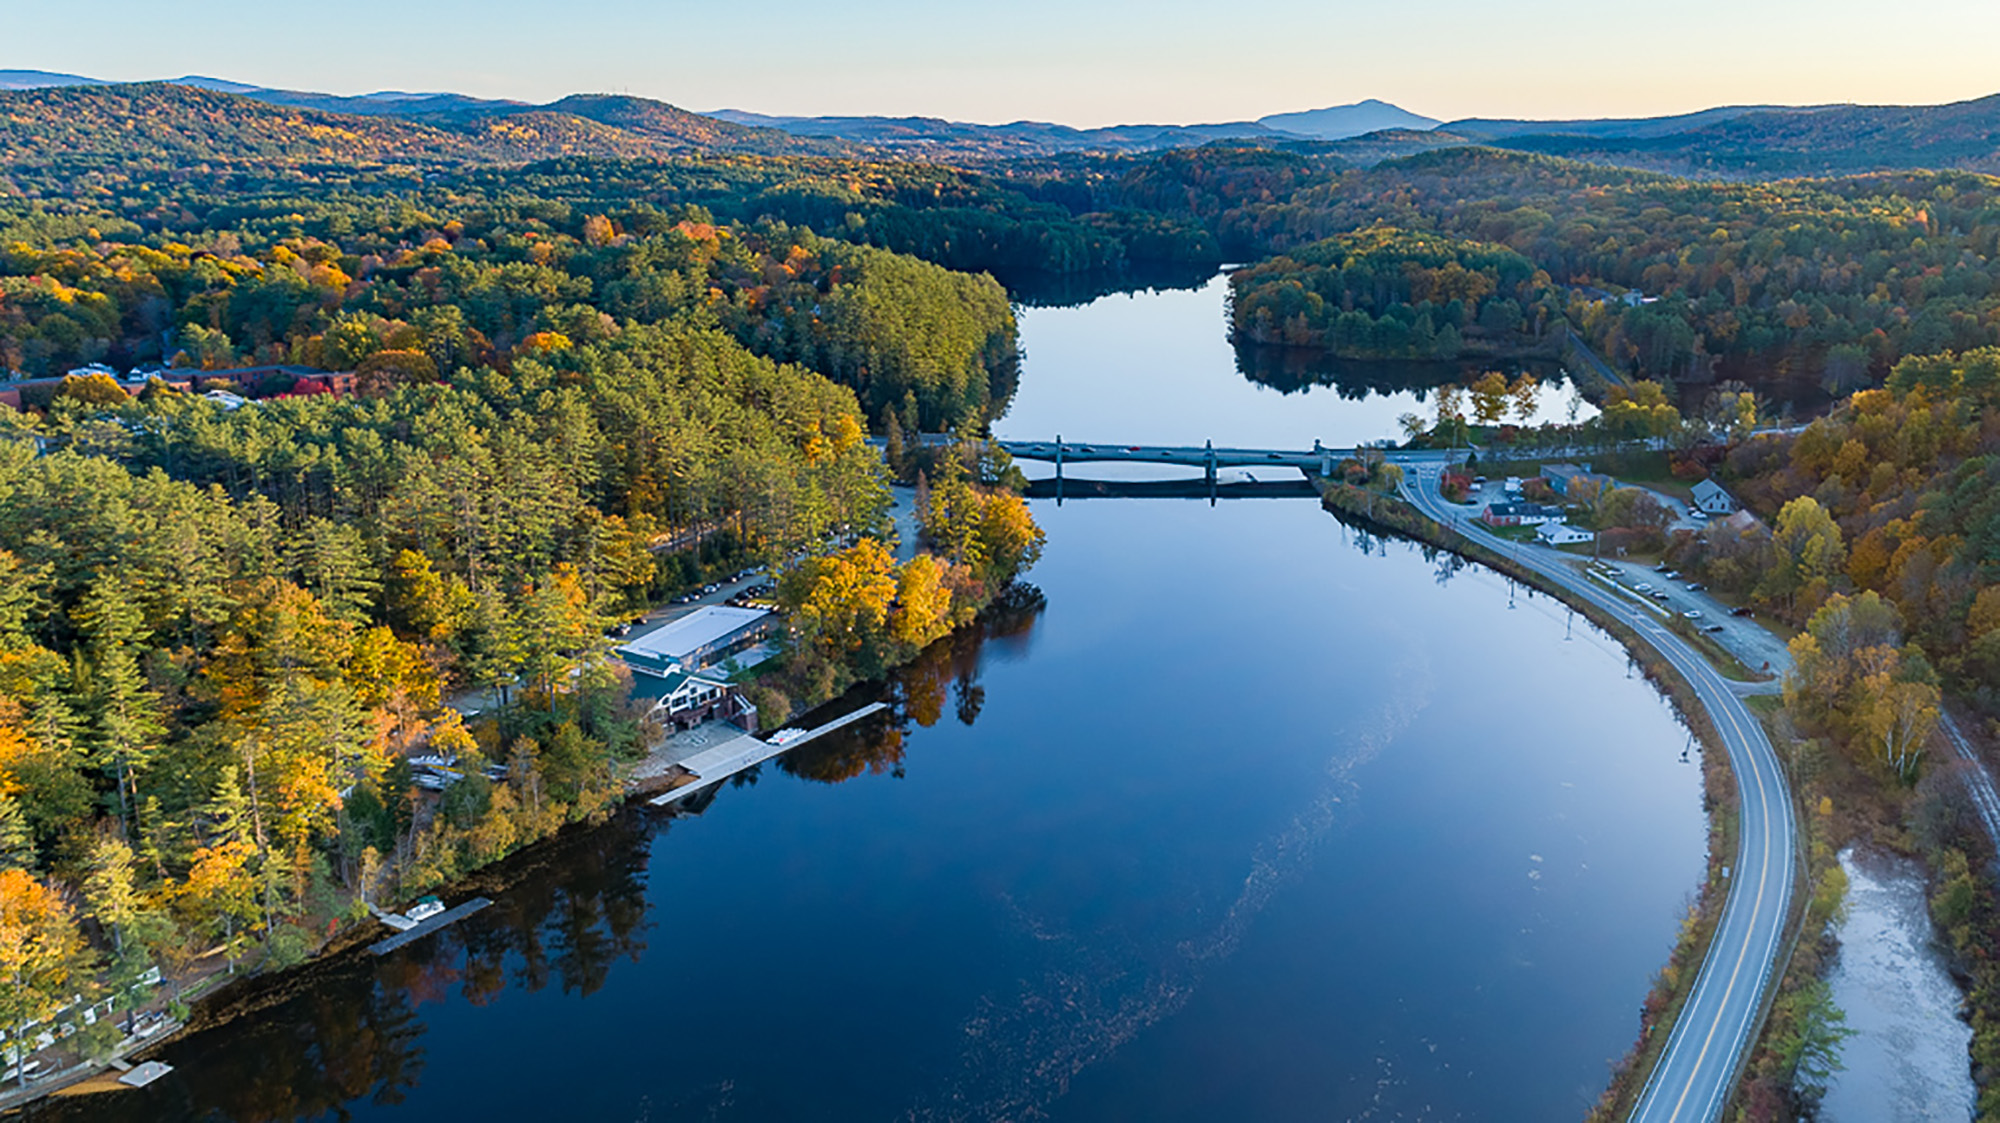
(1079, 62)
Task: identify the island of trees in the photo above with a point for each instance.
(1385, 293)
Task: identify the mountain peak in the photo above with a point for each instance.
(1338, 122)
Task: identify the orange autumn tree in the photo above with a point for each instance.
(44, 962)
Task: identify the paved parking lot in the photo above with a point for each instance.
(1744, 638)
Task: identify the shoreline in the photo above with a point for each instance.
(1663, 1004)
(251, 991)
(1390, 514)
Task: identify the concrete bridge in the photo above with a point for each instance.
(1319, 460)
(1297, 487)
(1316, 461)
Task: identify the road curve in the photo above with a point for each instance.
(1718, 1025)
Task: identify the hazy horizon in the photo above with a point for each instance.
(1082, 65)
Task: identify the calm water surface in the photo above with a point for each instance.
(1257, 819)
(1158, 368)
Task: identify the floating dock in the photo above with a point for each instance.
(715, 765)
(425, 927)
(143, 1074)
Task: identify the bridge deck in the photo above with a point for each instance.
(1195, 456)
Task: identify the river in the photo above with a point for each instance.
(1906, 1062)
(1254, 817)
(1157, 368)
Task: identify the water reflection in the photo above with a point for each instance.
(1250, 822)
(1296, 370)
(347, 1031)
(1152, 368)
(945, 674)
(1072, 290)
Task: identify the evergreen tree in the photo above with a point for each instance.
(17, 841)
(124, 722)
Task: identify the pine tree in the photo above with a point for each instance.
(17, 841)
(331, 561)
(124, 723)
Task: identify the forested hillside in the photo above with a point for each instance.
(1771, 143)
(129, 129)
(1894, 493)
(225, 628)
(406, 293)
(1798, 288)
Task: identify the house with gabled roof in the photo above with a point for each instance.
(1710, 497)
(688, 698)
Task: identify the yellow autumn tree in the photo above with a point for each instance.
(1011, 540)
(848, 596)
(923, 602)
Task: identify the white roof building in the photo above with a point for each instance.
(1562, 534)
(695, 639)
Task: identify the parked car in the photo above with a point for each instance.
(1660, 595)
(1741, 610)
(1692, 614)
(1713, 628)
(1644, 586)
(1671, 574)
(1695, 586)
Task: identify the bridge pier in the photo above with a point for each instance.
(1059, 479)
(1208, 454)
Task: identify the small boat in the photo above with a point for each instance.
(424, 909)
(785, 736)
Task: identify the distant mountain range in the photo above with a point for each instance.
(56, 118)
(930, 136)
(50, 136)
(1036, 137)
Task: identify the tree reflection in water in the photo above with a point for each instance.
(347, 1030)
(332, 1035)
(1296, 370)
(945, 672)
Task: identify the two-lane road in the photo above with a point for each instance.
(1692, 1080)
